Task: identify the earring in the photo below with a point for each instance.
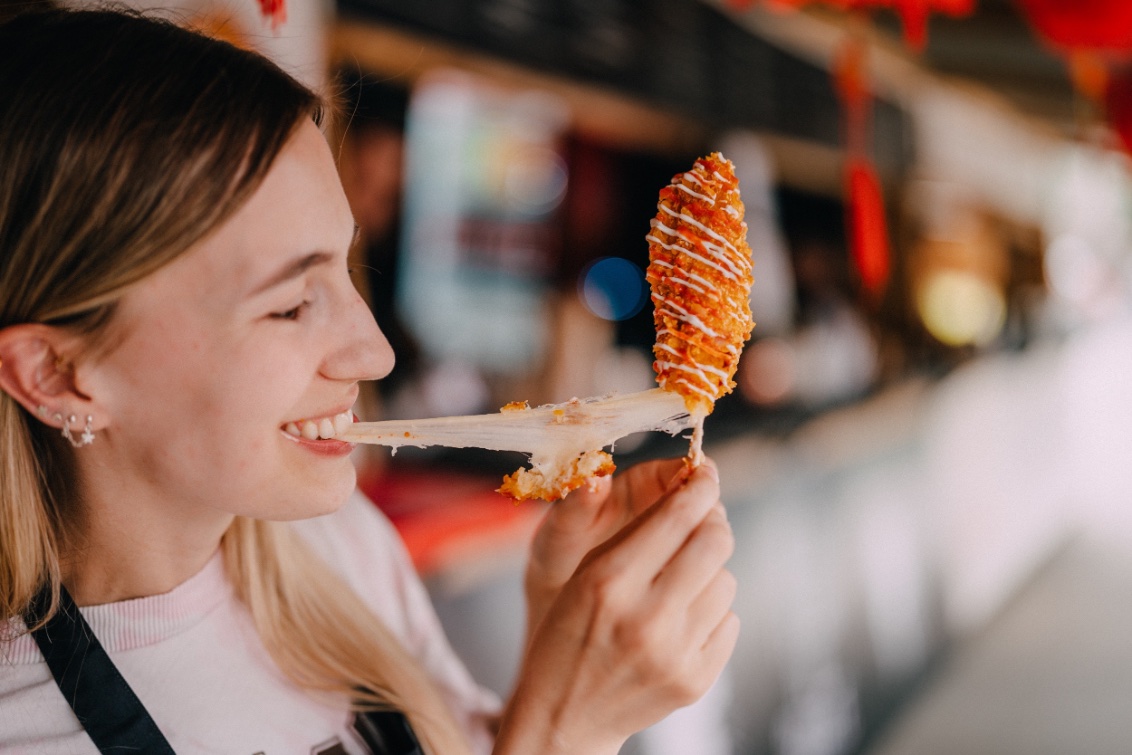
(41, 410)
(87, 436)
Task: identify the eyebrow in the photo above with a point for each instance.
(293, 270)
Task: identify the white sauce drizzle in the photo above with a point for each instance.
(715, 250)
(702, 376)
(730, 306)
(681, 250)
(697, 195)
(684, 315)
(701, 368)
(726, 244)
(725, 258)
(685, 282)
(709, 395)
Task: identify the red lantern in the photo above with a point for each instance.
(1099, 25)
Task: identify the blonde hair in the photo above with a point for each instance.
(125, 140)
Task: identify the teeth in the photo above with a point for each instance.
(324, 428)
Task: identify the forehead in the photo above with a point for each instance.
(298, 209)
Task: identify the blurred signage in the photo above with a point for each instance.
(483, 179)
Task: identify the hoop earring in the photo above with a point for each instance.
(87, 436)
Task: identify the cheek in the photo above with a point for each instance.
(161, 356)
(194, 398)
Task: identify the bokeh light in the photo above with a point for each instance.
(613, 288)
(960, 308)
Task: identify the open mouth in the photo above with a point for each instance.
(320, 428)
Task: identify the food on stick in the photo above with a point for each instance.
(700, 272)
(700, 277)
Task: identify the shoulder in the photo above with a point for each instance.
(34, 717)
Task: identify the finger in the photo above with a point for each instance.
(646, 544)
(711, 606)
(617, 500)
(720, 645)
(697, 562)
(579, 509)
(641, 485)
(703, 667)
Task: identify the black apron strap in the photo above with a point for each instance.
(387, 732)
(115, 718)
(105, 705)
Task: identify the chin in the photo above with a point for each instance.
(306, 501)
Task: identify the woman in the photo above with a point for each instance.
(175, 311)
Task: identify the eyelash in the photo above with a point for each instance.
(291, 314)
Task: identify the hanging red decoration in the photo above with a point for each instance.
(851, 82)
(275, 11)
(868, 234)
(1088, 71)
(864, 201)
(1118, 104)
(1095, 36)
(913, 13)
(1098, 25)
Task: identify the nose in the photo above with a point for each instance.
(364, 352)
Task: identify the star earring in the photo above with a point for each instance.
(87, 436)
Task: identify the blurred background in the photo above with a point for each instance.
(925, 457)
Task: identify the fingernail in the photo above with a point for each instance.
(710, 470)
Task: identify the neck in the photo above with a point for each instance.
(122, 552)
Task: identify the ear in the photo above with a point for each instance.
(36, 371)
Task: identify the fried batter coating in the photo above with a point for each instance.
(700, 272)
(554, 481)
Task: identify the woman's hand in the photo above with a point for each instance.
(642, 626)
(584, 520)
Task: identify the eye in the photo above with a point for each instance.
(291, 314)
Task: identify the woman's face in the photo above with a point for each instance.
(221, 356)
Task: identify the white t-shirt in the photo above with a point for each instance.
(194, 659)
